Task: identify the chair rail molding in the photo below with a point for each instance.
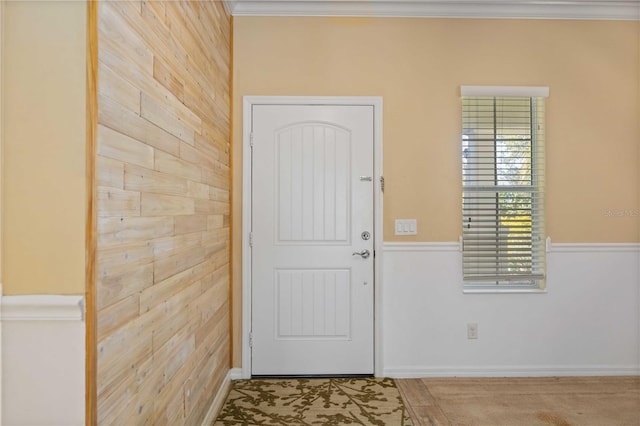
(42, 308)
(399, 246)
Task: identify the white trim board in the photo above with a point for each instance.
(501, 9)
(506, 91)
(42, 308)
(398, 246)
(235, 374)
(1, 353)
(413, 246)
(512, 371)
(248, 103)
(228, 6)
(594, 247)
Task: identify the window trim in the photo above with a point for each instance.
(539, 285)
(505, 91)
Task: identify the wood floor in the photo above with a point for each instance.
(557, 401)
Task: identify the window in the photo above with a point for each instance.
(503, 237)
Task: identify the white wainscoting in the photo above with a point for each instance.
(43, 360)
(586, 323)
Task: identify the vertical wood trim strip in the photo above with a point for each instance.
(231, 224)
(1, 181)
(2, 19)
(91, 393)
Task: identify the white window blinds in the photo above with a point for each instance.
(503, 188)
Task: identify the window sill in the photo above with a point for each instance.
(504, 290)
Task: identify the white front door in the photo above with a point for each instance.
(312, 240)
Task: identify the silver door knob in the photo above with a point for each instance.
(364, 254)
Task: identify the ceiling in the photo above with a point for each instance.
(532, 9)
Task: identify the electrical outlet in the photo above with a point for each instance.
(472, 330)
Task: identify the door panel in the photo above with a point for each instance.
(313, 184)
(312, 298)
(313, 303)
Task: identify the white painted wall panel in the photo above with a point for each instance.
(586, 323)
(43, 361)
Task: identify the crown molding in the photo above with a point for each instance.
(503, 9)
(229, 5)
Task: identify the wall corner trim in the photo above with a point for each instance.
(42, 308)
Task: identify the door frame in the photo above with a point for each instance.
(247, 116)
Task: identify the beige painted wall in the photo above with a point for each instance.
(418, 65)
(44, 147)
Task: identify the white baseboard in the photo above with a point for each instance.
(235, 373)
(218, 401)
(515, 371)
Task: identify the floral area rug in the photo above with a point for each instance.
(339, 401)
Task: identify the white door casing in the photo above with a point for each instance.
(313, 300)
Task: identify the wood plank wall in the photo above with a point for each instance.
(163, 210)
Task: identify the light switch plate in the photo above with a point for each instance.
(406, 227)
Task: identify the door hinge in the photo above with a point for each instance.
(382, 183)
(250, 239)
(250, 340)
(251, 139)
